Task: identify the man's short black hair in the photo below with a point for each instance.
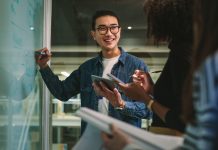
(100, 13)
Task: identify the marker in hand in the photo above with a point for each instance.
(40, 53)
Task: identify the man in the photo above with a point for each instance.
(112, 59)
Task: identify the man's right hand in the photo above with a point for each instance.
(42, 59)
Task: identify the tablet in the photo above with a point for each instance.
(109, 83)
(115, 79)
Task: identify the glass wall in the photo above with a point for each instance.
(21, 32)
(72, 45)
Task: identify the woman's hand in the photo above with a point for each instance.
(144, 79)
(117, 141)
(135, 91)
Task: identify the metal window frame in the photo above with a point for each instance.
(45, 115)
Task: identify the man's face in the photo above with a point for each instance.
(107, 32)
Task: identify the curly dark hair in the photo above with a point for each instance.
(169, 19)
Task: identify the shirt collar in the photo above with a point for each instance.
(121, 59)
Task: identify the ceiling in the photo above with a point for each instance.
(71, 41)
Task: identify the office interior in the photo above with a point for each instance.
(71, 45)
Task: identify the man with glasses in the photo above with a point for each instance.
(112, 59)
(102, 29)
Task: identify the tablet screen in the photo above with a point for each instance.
(109, 83)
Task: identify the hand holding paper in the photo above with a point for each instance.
(117, 141)
(139, 137)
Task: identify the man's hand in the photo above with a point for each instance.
(113, 97)
(42, 57)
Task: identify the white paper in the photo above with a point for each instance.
(90, 140)
(140, 137)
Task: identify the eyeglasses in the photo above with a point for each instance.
(104, 29)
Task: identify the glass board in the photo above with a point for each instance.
(21, 33)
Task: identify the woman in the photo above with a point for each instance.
(169, 21)
(201, 98)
